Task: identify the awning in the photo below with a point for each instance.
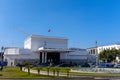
(54, 50)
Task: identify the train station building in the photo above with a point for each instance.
(43, 49)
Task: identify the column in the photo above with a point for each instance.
(39, 58)
(45, 57)
(42, 57)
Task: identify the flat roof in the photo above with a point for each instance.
(104, 45)
(92, 47)
(11, 47)
(56, 37)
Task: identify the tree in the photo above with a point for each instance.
(39, 68)
(118, 52)
(108, 55)
(68, 71)
(53, 69)
(48, 70)
(28, 66)
(57, 70)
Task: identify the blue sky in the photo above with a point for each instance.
(81, 21)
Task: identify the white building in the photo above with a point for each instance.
(93, 51)
(44, 49)
(13, 55)
(75, 56)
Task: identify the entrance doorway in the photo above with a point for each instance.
(53, 57)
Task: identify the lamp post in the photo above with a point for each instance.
(2, 53)
(96, 54)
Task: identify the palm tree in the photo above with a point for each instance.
(68, 71)
(53, 69)
(57, 70)
(48, 70)
(28, 66)
(39, 70)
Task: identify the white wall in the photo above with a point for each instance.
(27, 43)
(20, 53)
(101, 48)
(11, 51)
(78, 54)
(37, 42)
(12, 54)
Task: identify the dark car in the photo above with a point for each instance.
(3, 63)
(64, 65)
(20, 65)
(85, 65)
(44, 64)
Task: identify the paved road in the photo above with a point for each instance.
(57, 79)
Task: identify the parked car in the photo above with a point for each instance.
(64, 65)
(43, 64)
(107, 65)
(117, 66)
(85, 65)
(3, 63)
(18, 64)
(110, 65)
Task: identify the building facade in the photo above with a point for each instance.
(45, 49)
(97, 50)
(94, 51)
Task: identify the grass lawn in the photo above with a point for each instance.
(14, 72)
(61, 69)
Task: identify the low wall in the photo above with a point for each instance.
(99, 70)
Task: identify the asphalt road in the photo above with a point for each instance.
(58, 79)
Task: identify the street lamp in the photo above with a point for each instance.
(96, 54)
(2, 53)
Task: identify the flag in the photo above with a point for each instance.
(49, 30)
